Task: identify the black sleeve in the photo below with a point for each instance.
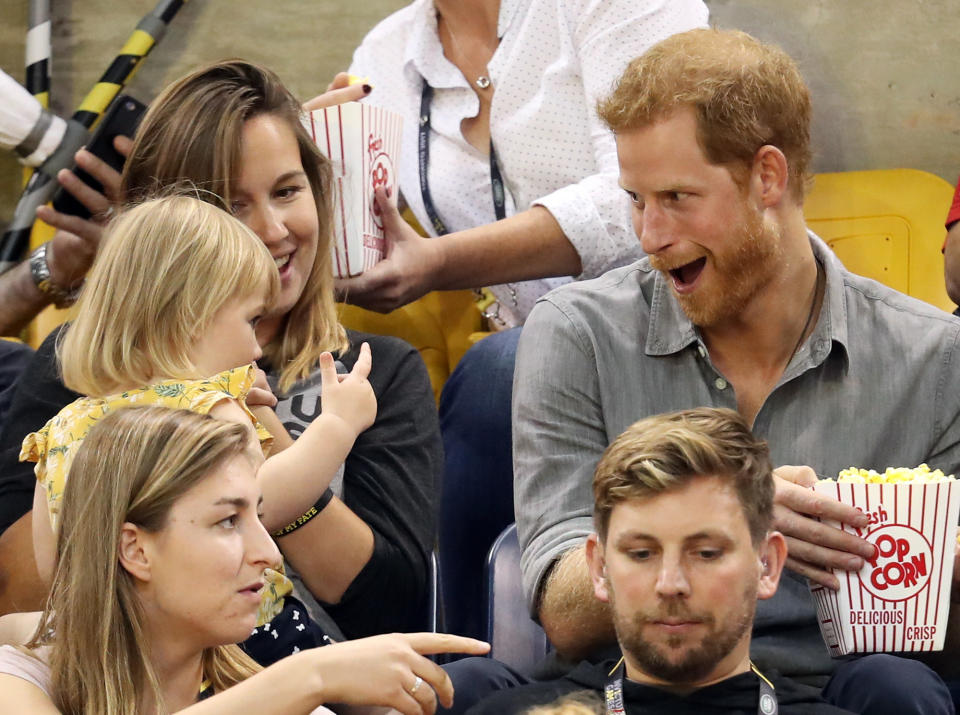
(38, 396)
(14, 357)
(391, 481)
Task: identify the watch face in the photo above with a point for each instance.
(40, 272)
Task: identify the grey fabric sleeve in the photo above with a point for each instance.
(558, 436)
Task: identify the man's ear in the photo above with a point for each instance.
(598, 567)
(769, 175)
(773, 555)
(134, 552)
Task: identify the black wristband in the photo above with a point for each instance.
(319, 506)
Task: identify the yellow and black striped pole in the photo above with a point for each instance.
(37, 60)
(148, 33)
(42, 183)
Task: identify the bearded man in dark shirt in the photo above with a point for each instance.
(684, 547)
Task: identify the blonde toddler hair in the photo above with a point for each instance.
(164, 269)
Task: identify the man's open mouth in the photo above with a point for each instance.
(686, 275)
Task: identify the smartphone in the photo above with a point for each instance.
(122, 117)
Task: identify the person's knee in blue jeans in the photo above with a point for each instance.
(883, 684)
(477, 501)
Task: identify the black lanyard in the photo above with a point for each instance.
(613, 692)
(423, 146)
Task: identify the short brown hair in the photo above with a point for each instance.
(746, 94)
(664, 452)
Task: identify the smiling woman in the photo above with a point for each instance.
(161, 530)
(233, 131)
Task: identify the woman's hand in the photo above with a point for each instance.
(349, 397)
(338, 91)
(391, 670)
(74, 246)
(408, 268)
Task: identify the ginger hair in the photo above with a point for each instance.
(746, 94)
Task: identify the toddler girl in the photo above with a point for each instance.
(168, 316)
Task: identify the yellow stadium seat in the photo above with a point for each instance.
(440, 325)
(886, 225)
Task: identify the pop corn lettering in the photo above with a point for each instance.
(900, 563)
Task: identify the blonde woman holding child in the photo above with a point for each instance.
(160, 556)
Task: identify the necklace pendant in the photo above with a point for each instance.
(483, 81)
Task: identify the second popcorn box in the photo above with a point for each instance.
(363, 144)
(900, 600)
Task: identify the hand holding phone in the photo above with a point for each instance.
(121, 118)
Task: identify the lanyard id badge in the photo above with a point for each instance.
(614, 703)
(487, 303)
(423, 160)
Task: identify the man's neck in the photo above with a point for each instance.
(753, 348)
(736, 663)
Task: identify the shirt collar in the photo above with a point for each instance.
(424, 53)
(670, 330)
(508, 11)
(832, 323)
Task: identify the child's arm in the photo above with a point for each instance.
(44, 540)
(261, 401)
(293, 480)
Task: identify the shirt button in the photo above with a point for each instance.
(702, 351)
(720, 383)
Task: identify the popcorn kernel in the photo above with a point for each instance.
(921, 474)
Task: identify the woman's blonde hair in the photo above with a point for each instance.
(193, 130)
(164, 269)
(132, 467)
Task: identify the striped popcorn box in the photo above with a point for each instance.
(363, 143)
(900, 600)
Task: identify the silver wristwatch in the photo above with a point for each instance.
(40, 272)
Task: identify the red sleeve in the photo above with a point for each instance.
(954, 213)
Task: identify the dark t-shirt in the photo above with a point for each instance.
(13, 359)
(739, 694)
(391, 476)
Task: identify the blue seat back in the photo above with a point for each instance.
(514, 637)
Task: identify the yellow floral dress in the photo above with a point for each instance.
(53, 447)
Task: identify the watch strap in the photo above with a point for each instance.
(40, 272)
